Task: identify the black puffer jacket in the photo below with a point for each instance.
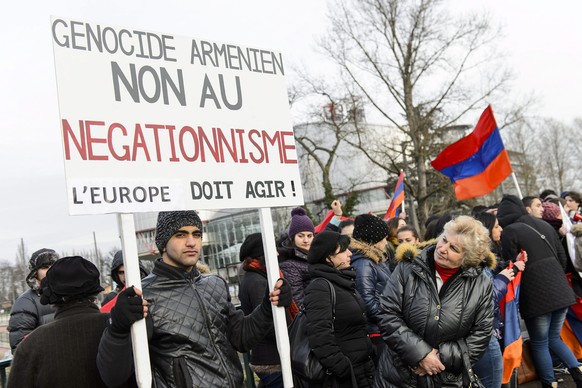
(415, 318)
(349, 342)
(26, 315)
(194, 332)
(544, 287)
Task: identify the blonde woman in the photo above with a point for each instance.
(436, 303)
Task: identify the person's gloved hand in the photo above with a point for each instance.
(280, 296)
(285, 294)
(130, 307)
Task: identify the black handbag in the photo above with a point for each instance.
(470, 379)
(303, 362)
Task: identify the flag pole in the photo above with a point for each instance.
(517, 185)
(402, 205)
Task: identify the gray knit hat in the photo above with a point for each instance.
(170, 222)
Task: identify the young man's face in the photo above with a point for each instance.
(184, 248)
(536, 209)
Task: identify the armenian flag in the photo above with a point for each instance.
(477, 163)
(397, 198)
(512, 340)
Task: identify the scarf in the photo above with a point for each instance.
(445, 273)
(258, 265)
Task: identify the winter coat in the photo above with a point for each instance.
(372, 275)
(293, 264)
(194, 332)
(26, 315)
(251, 294)
(62, 353)
(341, 345)
(415, 318)
(544, 287)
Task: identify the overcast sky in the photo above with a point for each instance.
(543, 43)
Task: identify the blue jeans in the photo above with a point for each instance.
(271, 380)
(490, 367)
(544, 334)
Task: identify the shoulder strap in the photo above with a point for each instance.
(543, 238)
(470, 379)
(332, 293)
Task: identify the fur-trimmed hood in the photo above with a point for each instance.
(576, 230)
(367, 250)
(407, 251)
(202, 268)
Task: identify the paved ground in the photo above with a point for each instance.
(566, 381)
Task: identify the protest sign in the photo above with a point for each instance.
(153, 121)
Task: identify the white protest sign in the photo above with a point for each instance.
(152, 121)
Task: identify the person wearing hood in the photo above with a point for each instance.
(372, 272)
(28, 313)
(293, 252)
(62, 353)
(544, 292)
(437, 303)
(339, 342)
(118, 276)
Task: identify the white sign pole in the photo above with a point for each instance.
(279, 319)
(139, 338)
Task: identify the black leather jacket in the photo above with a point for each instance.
(194, 332)
(415, 318)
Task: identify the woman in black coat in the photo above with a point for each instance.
(341, 344)
(544, 292)
(434, 304)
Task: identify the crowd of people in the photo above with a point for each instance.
(403, 310)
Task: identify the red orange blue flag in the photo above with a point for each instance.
(397, 198)
(477, 163)
(511, 330)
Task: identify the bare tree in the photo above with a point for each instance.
(331, 114)
(524, 147)
(558, 149)
(420, 68)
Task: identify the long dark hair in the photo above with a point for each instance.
(488, 220)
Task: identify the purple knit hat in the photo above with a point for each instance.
(300, 222)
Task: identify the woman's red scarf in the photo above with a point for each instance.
(445, 273)
(256, 264)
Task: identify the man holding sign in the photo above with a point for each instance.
(194, 331)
